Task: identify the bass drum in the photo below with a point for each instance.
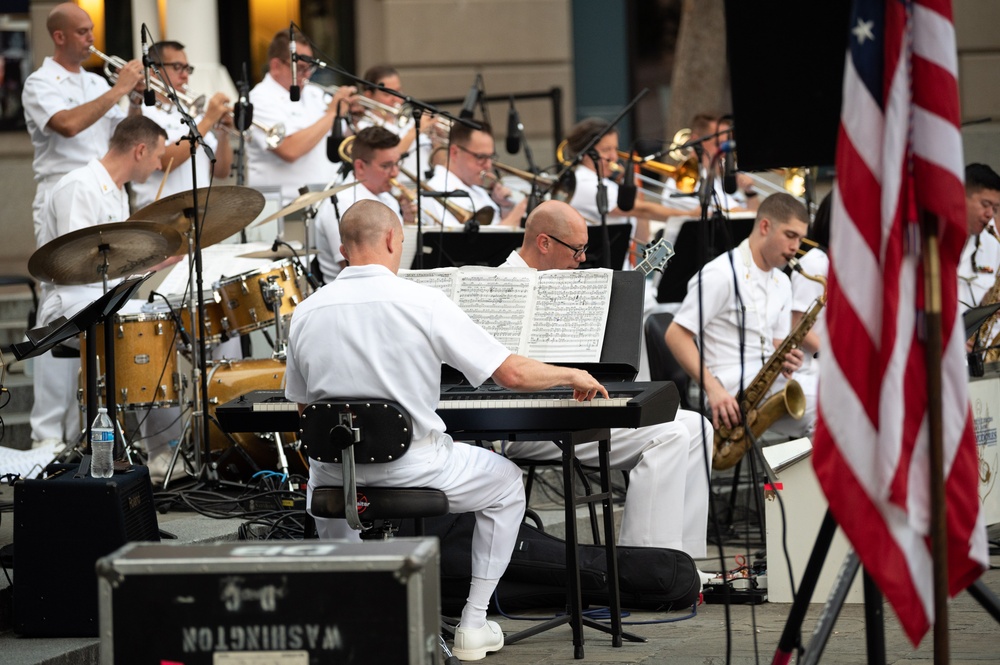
(227, 380)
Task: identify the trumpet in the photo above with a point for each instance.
(559, 189)
(194, 105)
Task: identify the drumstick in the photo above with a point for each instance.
(164, 181)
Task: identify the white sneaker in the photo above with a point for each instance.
(475, 643)
(158, 468)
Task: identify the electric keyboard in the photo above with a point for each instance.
(487, 408)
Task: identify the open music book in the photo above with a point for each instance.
(552, 316)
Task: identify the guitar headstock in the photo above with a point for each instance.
(655, 256)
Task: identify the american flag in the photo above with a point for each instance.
(899, 149)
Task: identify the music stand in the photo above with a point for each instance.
(975, 317)
(687, 260)
(619, 236)
(43, 338)
(461, 248)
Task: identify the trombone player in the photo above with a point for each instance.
(172, 62)
(471, 153)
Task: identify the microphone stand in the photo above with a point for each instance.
(240, 120)
(418, 108)
(200, 378)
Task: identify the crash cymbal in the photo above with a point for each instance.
(309, 198)
(77, 257)
(229, 209)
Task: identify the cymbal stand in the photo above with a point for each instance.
(109, 366)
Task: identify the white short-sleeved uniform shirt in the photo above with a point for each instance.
(804, 295)
(479, 197)
(271, 105)
(85, 197)
(373, 334)
(764, 310)
(51, 89)
(327, 241)
(179, 178)
(975, 280)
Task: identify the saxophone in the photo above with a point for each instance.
(732, 444)
(993, 295)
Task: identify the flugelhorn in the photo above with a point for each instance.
(194, 105)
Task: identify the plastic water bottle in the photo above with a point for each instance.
(102, 443)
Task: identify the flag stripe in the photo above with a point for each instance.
(899, 151)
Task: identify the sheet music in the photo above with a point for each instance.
(500, 300)
(217, 261)
(570, 314)
(552, 316)
(26, 463)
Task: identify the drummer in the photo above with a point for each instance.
(214, 124)
(91, 195)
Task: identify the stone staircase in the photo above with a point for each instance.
(15, 306)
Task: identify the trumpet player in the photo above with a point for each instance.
(301, 158)
(70, 115)
(172, 62)
(977, 269)
(745, 296)
(69, 111)
(470, 155)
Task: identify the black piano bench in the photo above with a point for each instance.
(365, 431)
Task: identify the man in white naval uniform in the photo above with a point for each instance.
(372, 333)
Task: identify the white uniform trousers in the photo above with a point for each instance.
(475, 480)
(667, 500)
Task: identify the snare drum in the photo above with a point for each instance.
(244, 301)
(145, 361)
(227, 380)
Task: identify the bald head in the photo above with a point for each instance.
(370, 233)
(549, 226)
(64, 16)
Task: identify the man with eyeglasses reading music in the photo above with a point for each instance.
(70, 115)
(666, 504)
(300, 159)
(170, 59)
(470, 156)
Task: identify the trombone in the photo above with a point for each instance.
(195, 105)
(482, 216)
(559, 189)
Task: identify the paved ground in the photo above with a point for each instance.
(700, 639)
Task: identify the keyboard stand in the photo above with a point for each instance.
(567, 440)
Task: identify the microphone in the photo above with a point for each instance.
(514, 128)
(277, 243)
(243, 113)
(627, 191)
(294, 91)
(334, 140)
(469, 105)
(148, 96)
(728, 148)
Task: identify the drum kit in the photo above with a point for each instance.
(153, 349)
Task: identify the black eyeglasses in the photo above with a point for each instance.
(178, 67)
(478, 156)
(577, 251)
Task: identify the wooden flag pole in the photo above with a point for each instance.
(938, 500)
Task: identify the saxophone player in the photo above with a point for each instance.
(977, 269)
(747, 297)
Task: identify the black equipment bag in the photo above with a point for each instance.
(650, 578)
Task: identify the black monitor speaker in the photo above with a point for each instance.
(786, 65)
(62, 525)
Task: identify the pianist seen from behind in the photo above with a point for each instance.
(372, 334)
